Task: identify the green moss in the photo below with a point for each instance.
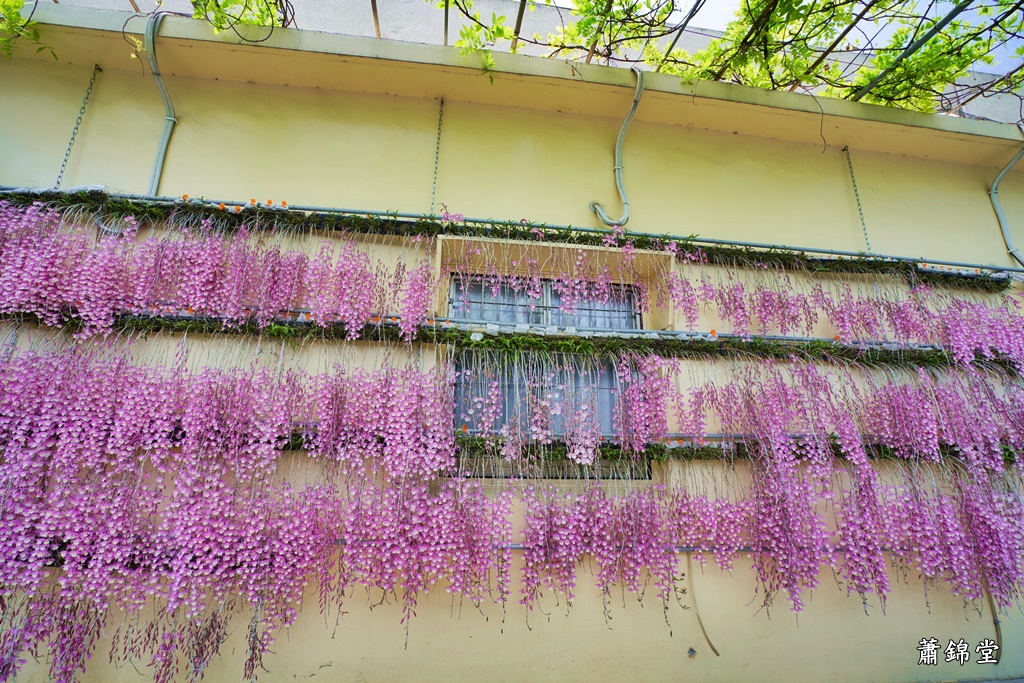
(732, 347)
(517, 343)
(471, 446)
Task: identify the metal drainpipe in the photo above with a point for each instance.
(594, 206)
(152, 26)
(993, 195)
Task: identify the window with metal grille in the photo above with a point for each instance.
(535, 397)
(538, 397)
(543, 302)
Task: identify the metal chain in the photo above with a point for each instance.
(78, 122)
(437, 157)
(12, 341)
(856, 193)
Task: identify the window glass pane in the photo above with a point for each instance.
(528, 397)
(498, 302)
(478, 300)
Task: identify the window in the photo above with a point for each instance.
(532, 397)
(535, 398)
(544, 302)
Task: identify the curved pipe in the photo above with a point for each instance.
(152, 25)
(696, 610)
(993, 195)
(594, 206)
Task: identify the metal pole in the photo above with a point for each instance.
(912, 48)
(446, 23)
(519, 26)
(679, 31)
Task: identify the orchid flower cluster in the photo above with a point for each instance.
(161, 486)
(967, 329)
(521, 285)
(52, 270)
(795, 420)
(167, 493)
(581, 401)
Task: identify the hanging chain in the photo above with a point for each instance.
(12, 341)
(437, 157)
(856, 193)
(78, 122)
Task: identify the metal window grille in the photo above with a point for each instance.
(534, 396)
(521, 301)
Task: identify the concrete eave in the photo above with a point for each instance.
(312, 59)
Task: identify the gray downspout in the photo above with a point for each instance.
(152, 25)
(594, 206)
(993, 195)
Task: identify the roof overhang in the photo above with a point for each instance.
(312, 59)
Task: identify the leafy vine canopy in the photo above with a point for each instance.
(830, 47)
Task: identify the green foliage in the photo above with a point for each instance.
(478, 36)
(515, 343)
(226, 14)
(14, 27)
(790, 44)
(771, 43)
(786, 44)
(916, 82)
(473, 446)
(605, 27)
(697, 348)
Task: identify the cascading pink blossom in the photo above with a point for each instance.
(162, 491)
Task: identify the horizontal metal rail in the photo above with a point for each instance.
(668, 549)
(489, 327)
(764, 246)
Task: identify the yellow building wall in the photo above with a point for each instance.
(832, 639)
(368, 148)
(376, 152)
